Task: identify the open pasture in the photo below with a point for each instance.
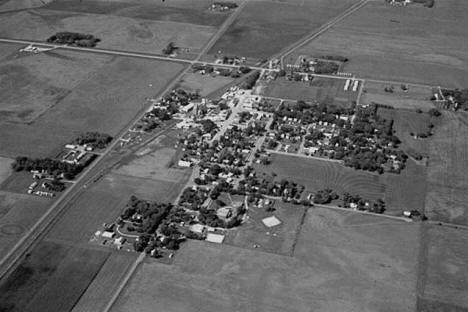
(350, 266)
(447, 180)
(264, 28)
(203, 84)
(105, 201)
(51, 278)
(316, 175)
(413, 43)
(115, 32)
(105, 99)
(279, 239)
(181, 11)
(414, 98)
(446, 271)
(18, 212)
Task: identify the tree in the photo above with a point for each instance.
(434, 112)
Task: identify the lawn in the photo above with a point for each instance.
(182, 11)
(266, 27)
(104, 98)
(278, 239)
(317, 175)
(412, 44)
(447, 180)
(115, 32)
(344, 266)
(51, 278)
(105, 201)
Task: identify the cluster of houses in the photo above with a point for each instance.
(76, 154)
(222, 6)
(34, 185)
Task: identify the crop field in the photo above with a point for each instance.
(9, 5)
(447, 180)
(446, 271)
(407, 190)
(103, 99)
(115, 32)
(5, 168)
(317, 175)
(18, 212)
(413, 44)
(254, 35)
(204, 84)
(52, 278)
(414, 98)
(99, 292)
(340, 264)
(182, 11)
(278, 239)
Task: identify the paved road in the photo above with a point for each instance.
(304, 156)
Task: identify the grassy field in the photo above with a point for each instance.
(317, 174)
(265, 27)
(99, 292)
(412, 44)
(279, 239)
(407, 190)
(115, 32)
(204, 84)
(446, 271)
(18, 212)
(414, 98)
(447, 180)
(5, 168)
(105, 201)
(344, 266)
(182, 11)
(101, 99)
(52, 278)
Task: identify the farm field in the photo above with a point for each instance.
(105, 201)
(446, 272)
(412, 44)
(99, 292)
(18, 212)
(278, 239)
(104, 100)
(415, 98)
(49, 270)
(9, 5)
(407, 190)
(255, 36)
(340, 264)
(5, 168)
(446, 174)
(203, 84)
(115, 32)
(182, 11)
(316, 175)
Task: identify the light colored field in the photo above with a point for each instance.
(18, 213)
(415, 98)
(9, 5)
(447, 180)
(256, 36)
(5, 168)
(101, 289)
(105, 201)
(204, 84)
(341, 264)
(279, 239)
(317, 175)
(413, 44)
(446, 273)
(116, 32)
(104, 101)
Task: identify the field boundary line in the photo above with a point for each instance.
(403, 219)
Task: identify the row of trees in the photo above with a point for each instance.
(94, 139)
(72, 38)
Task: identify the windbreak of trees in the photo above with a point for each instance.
(94, 139)
(52, 166)
(250, 81)
(76, 39)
